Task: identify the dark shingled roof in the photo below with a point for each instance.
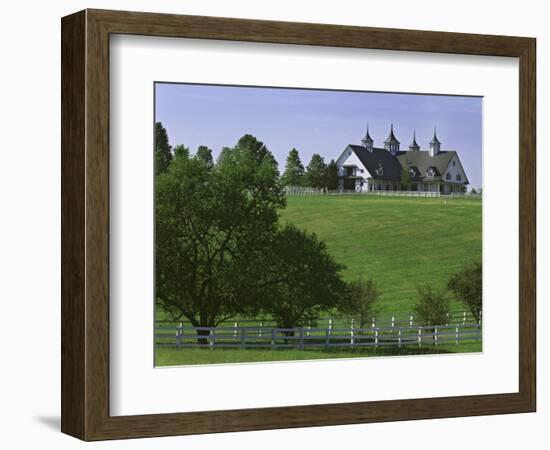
(422, 161)
(371, 160)
(393, 165)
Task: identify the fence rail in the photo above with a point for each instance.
(301, 338)
(458, 317)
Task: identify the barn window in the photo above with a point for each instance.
(458, 177)
(448, 176)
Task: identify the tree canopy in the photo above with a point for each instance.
(467, 285)
(303, 278)
(331, 181)
(316, 172)
(294, 170)
(360, 300)
(432, 307)
(212, 226)
(205, 155)
(163, 150)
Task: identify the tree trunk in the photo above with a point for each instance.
(202, 336)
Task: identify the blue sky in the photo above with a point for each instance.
(318, 121)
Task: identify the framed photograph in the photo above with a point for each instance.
(273, 225)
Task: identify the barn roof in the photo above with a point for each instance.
(379, 156)
(393, 165)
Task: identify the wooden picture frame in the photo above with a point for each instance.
(85, 224)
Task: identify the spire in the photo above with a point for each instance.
(414, 145)
(391, 143)
(434, 139)
(435, 145)
(367, 140)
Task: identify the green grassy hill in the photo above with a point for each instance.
(400, 242)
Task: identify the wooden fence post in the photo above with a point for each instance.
(411, 319)
(457, 334)
(392, 321)
(235, 326)
(435, 336)
(464, 318)
(261, 329)
(419, 337)
(376, 338)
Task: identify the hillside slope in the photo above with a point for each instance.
(401, 242)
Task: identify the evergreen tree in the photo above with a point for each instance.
(181, 151)
(332, 176)
(294, 170)
(205, 154)
(163, 150)
(316, 172)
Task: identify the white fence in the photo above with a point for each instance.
(308, 191)
(302, 338)
(457, 317)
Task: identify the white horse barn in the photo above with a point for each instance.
(367, 168)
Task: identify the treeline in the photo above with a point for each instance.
(317, 174)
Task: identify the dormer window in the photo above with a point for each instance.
(458, 177)
(448, 176)
(413, 171)
(379, 170)
(431, 172)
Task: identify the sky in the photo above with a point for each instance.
(318, 121)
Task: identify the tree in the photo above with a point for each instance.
(331, 182)
(212, 228)
(467, 285)
(205, 155)
(316, 172)
(181, 151)
(405, 179)
(163, 150)
(294, 170)
(303, 278)
(362, 296)
(432, 307)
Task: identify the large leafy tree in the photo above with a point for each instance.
(294, 170)
(467, 285)
(212, 228)
(303, 278)
(316, 172)
(163, 150)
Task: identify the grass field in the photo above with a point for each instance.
(401, 242)
(166, 356)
